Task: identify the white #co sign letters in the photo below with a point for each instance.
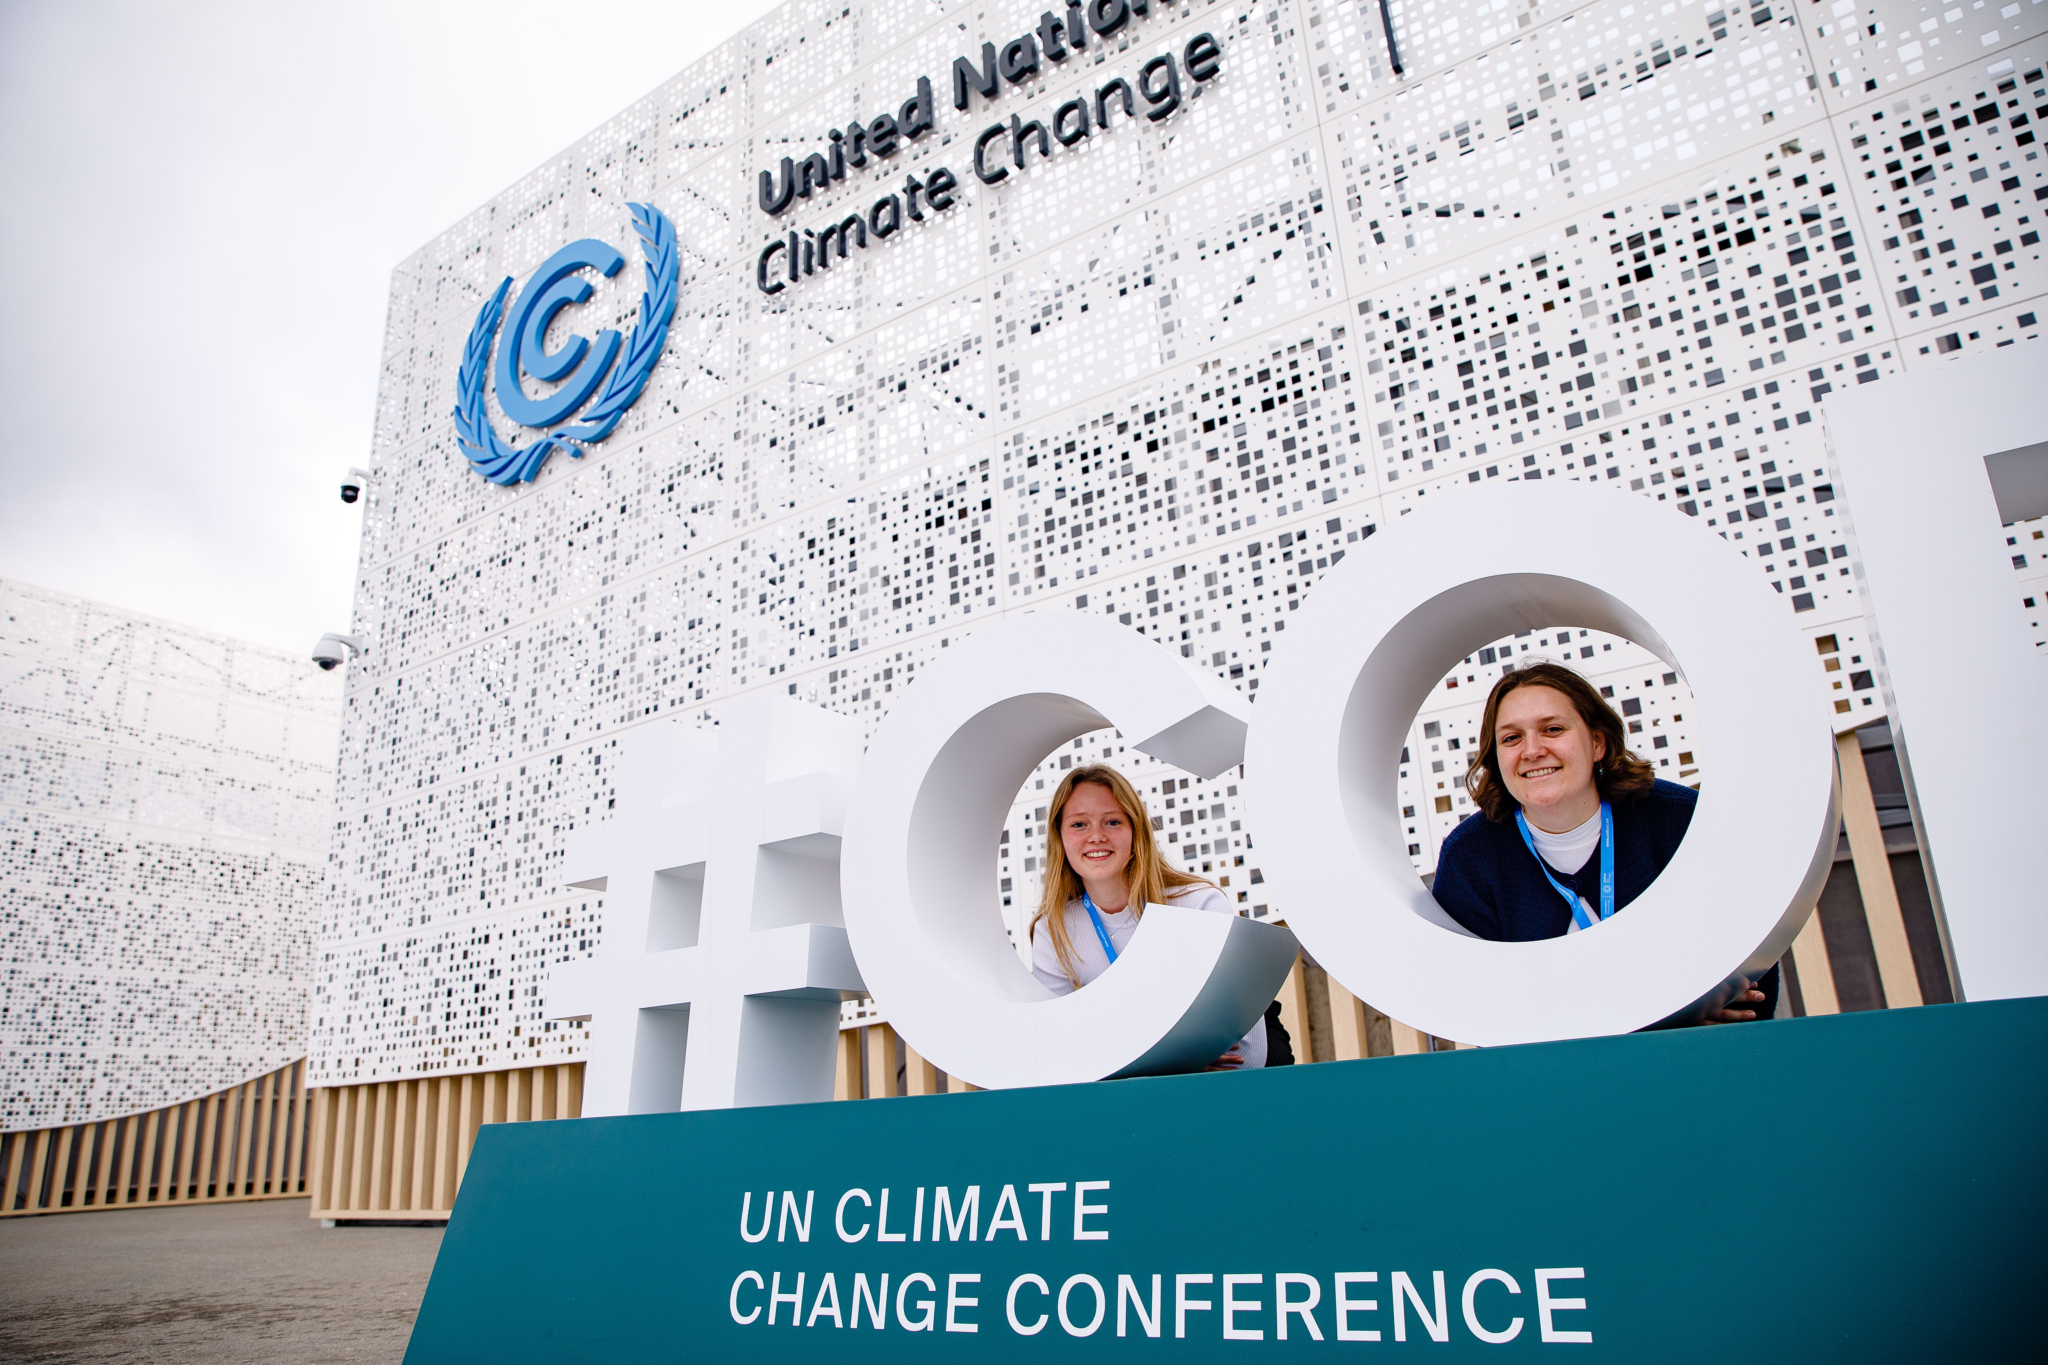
(920, 906)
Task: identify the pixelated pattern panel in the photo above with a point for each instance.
(1173, 372)
(168, 800)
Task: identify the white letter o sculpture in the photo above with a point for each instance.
(916, 865)
(1383, 629)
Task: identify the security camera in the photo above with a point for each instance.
(335, 650)
(352, 486)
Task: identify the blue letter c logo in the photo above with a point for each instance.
(520, 344)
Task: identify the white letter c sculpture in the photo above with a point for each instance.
(1383, 629)
(939, 779)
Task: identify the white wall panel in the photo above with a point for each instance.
(1170, 374)
(167, 797)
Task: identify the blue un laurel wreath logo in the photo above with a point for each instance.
(599, 382)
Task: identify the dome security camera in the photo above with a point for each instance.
(335, 650)
(352, 483)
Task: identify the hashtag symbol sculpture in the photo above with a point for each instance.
(723, 959)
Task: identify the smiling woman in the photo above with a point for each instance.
(1556, 785)
(1102, 868)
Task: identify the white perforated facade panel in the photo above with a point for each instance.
(1171, 373)
(168, 799)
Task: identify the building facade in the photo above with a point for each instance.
(1307, 266)
(168, 796)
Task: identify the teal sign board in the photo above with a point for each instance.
(1868, 1187)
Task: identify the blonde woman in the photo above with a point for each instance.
(1102, 868)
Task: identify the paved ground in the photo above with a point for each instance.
(224, 1284)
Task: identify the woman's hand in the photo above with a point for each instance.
(1735, 1011)
(1229, 1061)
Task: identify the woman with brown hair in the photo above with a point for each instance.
(1102, 868)
(1571, 827)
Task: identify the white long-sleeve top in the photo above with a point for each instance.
(1090, 961)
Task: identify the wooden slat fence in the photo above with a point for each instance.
(396, 1150)
(245, 1142)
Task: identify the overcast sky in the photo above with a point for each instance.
(200, 207)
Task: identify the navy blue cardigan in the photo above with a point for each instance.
(1488, 880)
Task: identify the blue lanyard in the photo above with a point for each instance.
(1577, 904)
(1095, 918)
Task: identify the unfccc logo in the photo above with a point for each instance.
(596, 383)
